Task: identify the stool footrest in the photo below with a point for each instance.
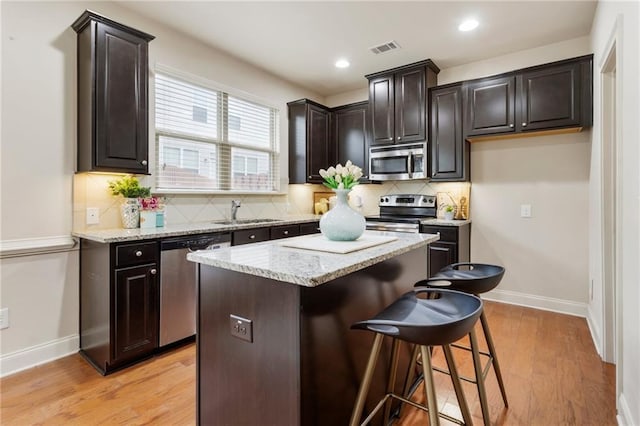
(406, 401)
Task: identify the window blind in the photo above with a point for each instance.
(210, 140)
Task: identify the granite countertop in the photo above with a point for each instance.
(444, 222)
(304, 267)
(119, 234)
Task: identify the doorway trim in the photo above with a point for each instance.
(611, 206)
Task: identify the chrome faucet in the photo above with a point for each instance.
(235, 204)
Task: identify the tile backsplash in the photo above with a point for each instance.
(91, 190)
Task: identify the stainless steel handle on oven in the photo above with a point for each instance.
(410, 165)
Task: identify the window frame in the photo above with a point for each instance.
(220, 143)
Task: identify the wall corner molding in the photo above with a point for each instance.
(34, 246)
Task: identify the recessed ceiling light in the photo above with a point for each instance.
(468, 25)
(342, 63)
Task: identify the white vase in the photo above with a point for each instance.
(130, 213)
(342, 223)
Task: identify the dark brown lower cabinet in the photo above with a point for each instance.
(119, 299)
(304, 364)
(452, 247)
(136, 310)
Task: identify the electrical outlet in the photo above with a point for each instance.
(4, 318)
(93, 215)
(525, 210)
(241, 328)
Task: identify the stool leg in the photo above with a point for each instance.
(457, 386)
(366, 381)
(494, 356)
(429, 386)
(477, 366)
(391, 381)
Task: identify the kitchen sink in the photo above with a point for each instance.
(244, 221)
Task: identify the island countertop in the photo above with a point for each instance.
(305, 267)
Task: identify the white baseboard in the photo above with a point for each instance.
(596, 335)
(39, 354)
(538, 302)
(624, 413)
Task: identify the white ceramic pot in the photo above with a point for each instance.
(342, 223)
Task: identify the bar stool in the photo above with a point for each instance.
(473, 278)
(424, 317)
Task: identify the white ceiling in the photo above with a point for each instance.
(300, 40)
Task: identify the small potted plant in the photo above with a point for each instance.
(449, 211)
(129, 188)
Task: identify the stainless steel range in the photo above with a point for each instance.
(402, 212)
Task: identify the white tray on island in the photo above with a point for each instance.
(319, 242)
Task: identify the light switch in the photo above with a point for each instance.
(525, 210)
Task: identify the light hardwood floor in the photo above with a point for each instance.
(551, 370)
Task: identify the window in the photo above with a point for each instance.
(210, 140)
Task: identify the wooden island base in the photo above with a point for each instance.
(304, 363)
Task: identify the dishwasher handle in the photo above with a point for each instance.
(198, 242)
(213, 246)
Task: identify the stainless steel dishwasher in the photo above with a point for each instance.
(178, 284)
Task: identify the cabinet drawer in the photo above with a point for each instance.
(285, 231)
(250, 236)
(138, 253)
(309, 228)
(447, 233)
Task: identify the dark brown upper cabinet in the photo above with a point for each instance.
(112, 96)
(398, 103)
(551, 97)
(491, 106)
(310, 147)
(449, 149)
(351, 133)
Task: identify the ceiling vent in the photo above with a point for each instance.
(386, 47)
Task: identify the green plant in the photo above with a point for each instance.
(449, 208)
(341, 177)
(129, 187)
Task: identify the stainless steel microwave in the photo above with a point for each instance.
(398, 162)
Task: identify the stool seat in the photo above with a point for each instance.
(423, 317)
(437, 317)
(475, 278)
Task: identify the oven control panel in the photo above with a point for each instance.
(407, 200)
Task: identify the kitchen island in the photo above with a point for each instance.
(274, 345)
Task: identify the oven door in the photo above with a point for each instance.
(398, 162)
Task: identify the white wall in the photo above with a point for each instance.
(619, 21)
(545, 256)
(38, 160)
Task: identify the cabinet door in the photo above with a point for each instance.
(309, 228)
(121, 141)
(351, 135)
(550, 97)
(410, 106)
(318, 149)
(441, 254)
(136, 311)
(284, 231)
(449, 150)
(490, 106)
(381, 102)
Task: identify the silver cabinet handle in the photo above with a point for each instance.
(144, 162)
(511, 125)
(153, 271)
(524, 124)
(399, 138)
(286, 232)
(391, 138)
(139, 253)
(252, 237)
(310, 177)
